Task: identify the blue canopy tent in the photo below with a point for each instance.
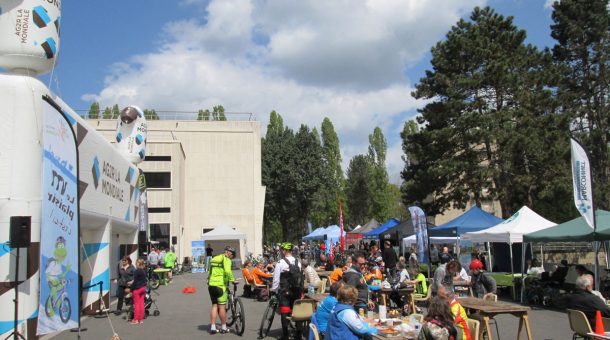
(317, 234)
(375, 233)
(474, 219)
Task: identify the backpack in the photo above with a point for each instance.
(294, 275)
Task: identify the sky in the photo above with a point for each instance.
(355, 61)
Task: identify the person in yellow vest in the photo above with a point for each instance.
(219, 276)
(459, 313)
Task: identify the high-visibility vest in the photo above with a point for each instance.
(460, 319)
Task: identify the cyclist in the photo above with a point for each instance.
(287, 284)
(219, 276)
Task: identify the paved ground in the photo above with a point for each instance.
(187, 317)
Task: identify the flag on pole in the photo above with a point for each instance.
(581, 176)
(418, 218)
(341, 238)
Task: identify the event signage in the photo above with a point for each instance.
(198, 251)
(581, 176)
(59, 300)
(341, 236)
(418, 218)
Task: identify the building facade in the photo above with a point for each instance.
(201, 174)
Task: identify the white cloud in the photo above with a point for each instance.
(305, 59)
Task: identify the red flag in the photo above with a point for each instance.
(341, 226)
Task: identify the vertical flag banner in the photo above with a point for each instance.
(581, 176)
(418, 218)
(59, 300)
(342, 238)
(143, 206)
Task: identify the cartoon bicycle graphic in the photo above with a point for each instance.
(56, 278)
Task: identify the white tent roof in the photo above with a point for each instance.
(524, 221)
(223, 232)
(408, 241)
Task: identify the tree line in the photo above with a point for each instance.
(113, 112)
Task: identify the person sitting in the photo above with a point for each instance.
(420, 283)
(374, 272)
(535, 269)
(557, 276)
(584, 300)
(337, 274)
(344, 322)
(326, 307)
(481, 284)
(311, 277)
(438, 322)
(245, 271)
(444, 274)
(261, 281)
(459, 313)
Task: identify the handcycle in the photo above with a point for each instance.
(153, 278)
(235, 310)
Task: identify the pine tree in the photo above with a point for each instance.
(94, 111)
(115, 111)
(107, 113)
(357, 189)
(379, 181)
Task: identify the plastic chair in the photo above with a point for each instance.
(606, 322)
(428, 295)
(492, 297)
(303, 309)
(322, 287)
(313, 332)
(579, 324)
(475, 328)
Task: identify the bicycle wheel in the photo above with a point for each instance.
(267, 320)
(240, 317)
(230, 306)
(154, 281)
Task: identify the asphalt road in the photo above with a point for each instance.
(186, 316)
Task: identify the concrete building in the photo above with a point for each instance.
(201, 174)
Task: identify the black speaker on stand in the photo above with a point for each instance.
(19, 237)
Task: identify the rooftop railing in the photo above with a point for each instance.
(182, 115)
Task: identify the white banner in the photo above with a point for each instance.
(581, 176)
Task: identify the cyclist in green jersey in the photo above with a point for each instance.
(219, 276)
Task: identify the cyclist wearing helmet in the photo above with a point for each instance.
(481, 283)
(287, 284)
(219, 276)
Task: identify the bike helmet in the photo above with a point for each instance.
(230, 249)
(286, 246)
(476, 264)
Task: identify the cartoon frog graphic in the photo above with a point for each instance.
(54, 271)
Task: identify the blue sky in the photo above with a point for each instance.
(353, 61)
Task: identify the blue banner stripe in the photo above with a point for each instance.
(4, 249)
(105, 277)
(91, 249)
(48, 155)
(6, 326)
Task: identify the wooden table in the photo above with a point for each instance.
(407, 291)
(323, 273)
(317, 297)
(489, 309)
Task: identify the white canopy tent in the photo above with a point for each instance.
(222, 236)
(511, 231)
(524, 221)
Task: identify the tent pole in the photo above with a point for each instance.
(490, 259)
(597, 246)
(512, 269)
(523, 276)
(606, 252)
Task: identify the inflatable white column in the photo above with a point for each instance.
(29, 44)
(95, 267)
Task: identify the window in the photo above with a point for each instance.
(159, 210)
(158, 158)
(160, 233)
(158, 179)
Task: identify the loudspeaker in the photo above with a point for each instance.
(20, 231)
(174, 240)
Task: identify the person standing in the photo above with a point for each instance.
(413, 261)
(162, 258)
(287, 284)
(434, 260)
(219, 276)
(389, 258)
(445, 257)
(481, 284)
(444, 274)
(170, 262)
(138, 289)
(126, 270)
(153, 258)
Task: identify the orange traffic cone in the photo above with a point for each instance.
(599, 324)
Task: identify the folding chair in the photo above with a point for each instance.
(474, 327)
(579, 324)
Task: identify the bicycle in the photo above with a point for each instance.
(268, 316)
(235, 310)
(62, 301)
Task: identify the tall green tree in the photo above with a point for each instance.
(116, 112)
(151, 114)
(278, 176)
(490, 130)
(218, 113)
(582, 52)
(379, 181)
(107, 114)
(357, 189)
(94, 111)
(203, 114)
